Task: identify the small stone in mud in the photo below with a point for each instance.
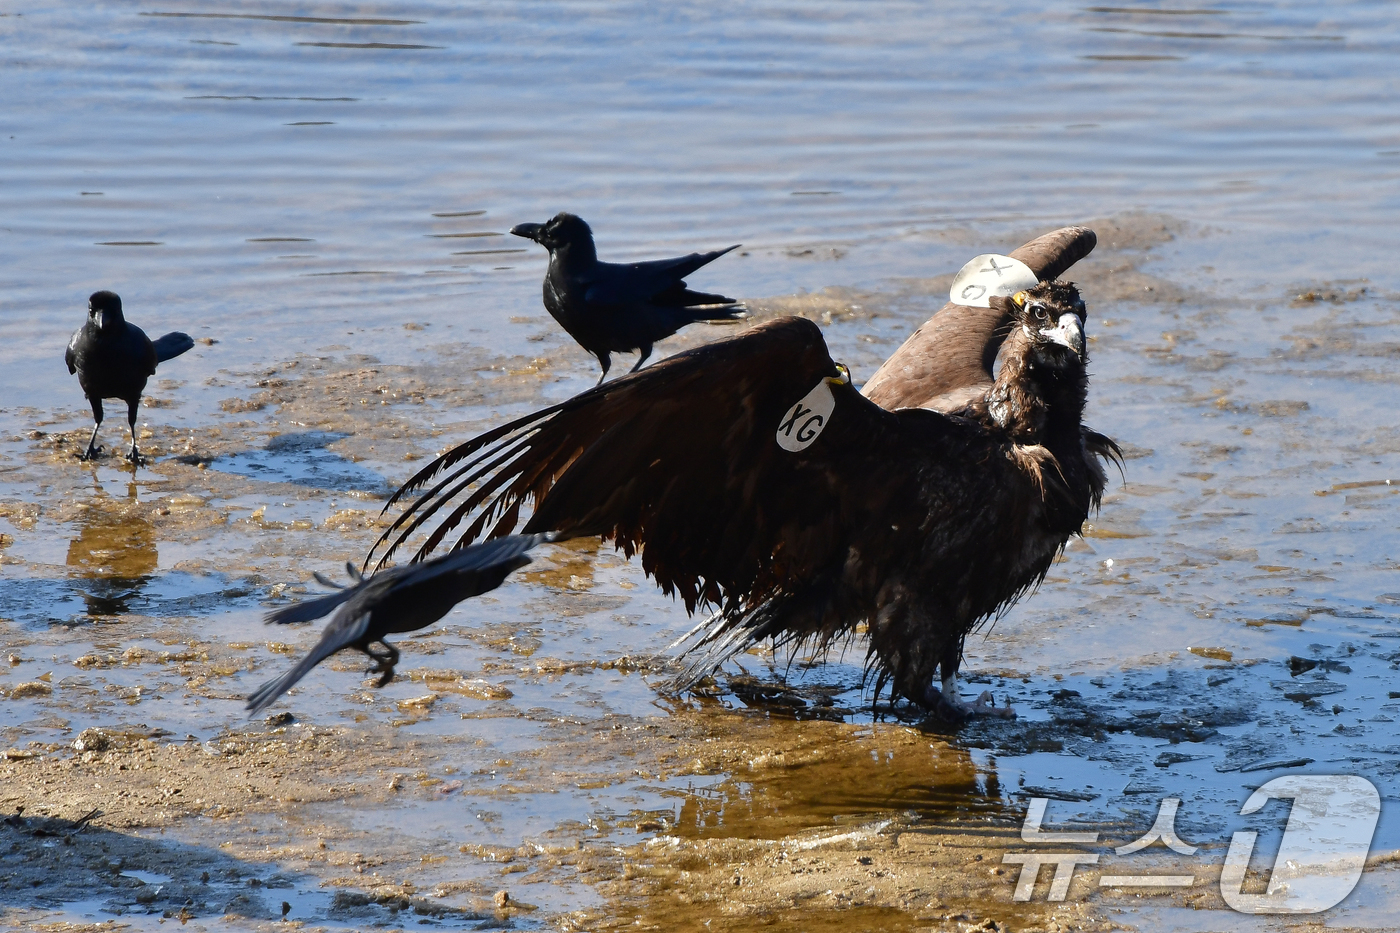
(502, 899)
(280, 719)
(92, 740)
(33, 688)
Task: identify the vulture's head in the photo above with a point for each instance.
(1052, 316)
(563, 232)
(104, 310)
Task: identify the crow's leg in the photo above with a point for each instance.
(644, 351)
(135, 455)
(948, 705)
(97, 423)
(605, 359)
(384, 662)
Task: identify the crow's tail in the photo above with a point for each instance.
(702, 307)
(172, 345)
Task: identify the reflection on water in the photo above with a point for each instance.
(821, 775)
(114, 553)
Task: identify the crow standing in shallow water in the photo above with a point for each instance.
(401, 599)
(753, 477)
(113, 359)
(613, 307)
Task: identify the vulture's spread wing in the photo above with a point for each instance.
(949, 359)
(733, 467)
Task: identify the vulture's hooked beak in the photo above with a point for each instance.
(528, 231)
(843, 377)
(1069, 332)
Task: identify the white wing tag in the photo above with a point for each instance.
(804, 421)
(988, 275)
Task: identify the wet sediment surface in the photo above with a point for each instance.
(321, 198)
(1228, 618)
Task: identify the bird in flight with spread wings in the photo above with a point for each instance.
(753, 477)
(398, 600)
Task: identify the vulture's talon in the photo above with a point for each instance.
(953, 709)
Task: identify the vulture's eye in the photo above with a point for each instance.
(1041, 314)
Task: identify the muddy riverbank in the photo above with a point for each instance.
(1229, 617)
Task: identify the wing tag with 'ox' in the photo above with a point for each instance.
(988, 275)
(803, 422)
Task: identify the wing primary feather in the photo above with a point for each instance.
(481, 441)
(309, 610)
(488, 510)
(485, 453)
(703, 623)
(469, 560)
(332, 641)
(426, 507)
(529, 423)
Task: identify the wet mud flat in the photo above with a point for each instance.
(1230, 617)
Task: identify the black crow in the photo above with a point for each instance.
(753, 477)
(113, 359)
(400, 599)
(612, 307)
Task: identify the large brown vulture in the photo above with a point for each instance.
(753, 477)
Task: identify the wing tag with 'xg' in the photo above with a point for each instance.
(804, 421)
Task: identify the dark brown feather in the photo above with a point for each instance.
(917, 523)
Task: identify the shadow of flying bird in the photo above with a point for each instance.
(752, 477)
(613, 307)
(400, 599)
(113, 359)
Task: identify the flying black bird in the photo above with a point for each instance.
(751, 476)
(113, 359)
(610, 307)
(401, 599)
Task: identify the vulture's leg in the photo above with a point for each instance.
(949, 705)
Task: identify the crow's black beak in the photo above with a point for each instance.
(528, 231)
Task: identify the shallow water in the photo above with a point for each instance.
(321, 194)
